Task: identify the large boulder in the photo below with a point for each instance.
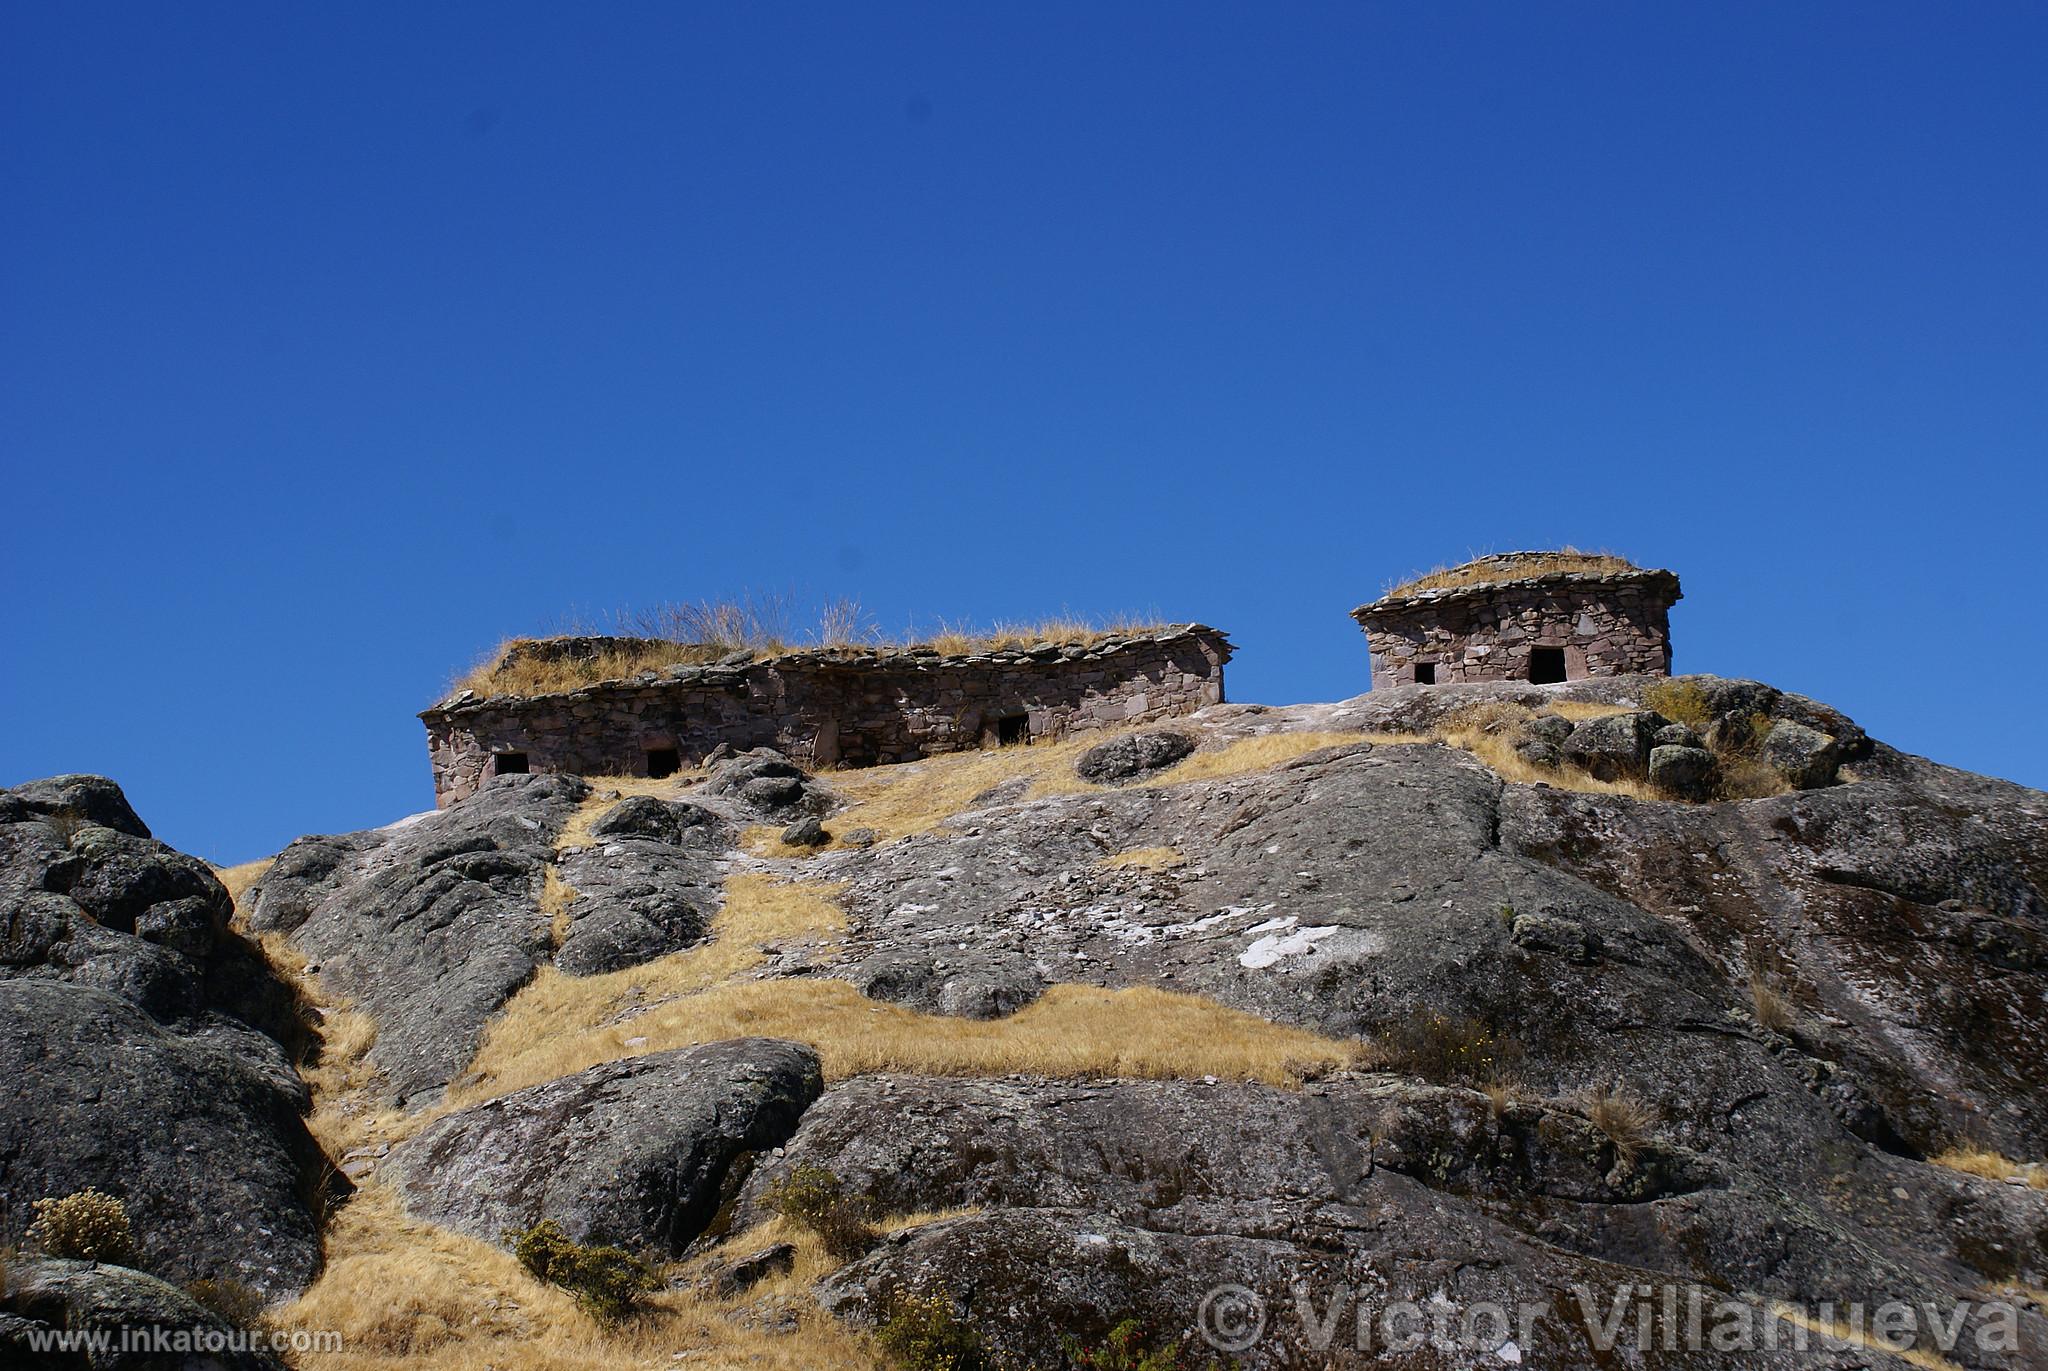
(1684, 771)
(1805, 757)
(646, 886)
(149, 1049)
(428, 926)
(768, 783)
(46, 1299)
(1133, 757)
(633, 1152)
(1614, 746)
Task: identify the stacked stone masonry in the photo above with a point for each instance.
(828, 707)
(1584, 623)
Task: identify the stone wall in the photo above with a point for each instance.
(1610, 624)
(828, 707)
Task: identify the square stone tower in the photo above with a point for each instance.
(1522, 616)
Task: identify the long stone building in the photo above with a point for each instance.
(1522, 616)
(823, 707)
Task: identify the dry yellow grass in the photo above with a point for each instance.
(541, 676)
(959, 640)
(1849, 1336)
(1145, 859)
(629, 656)
(1071, 1031)
(1467, 573)
(916, 797)
(556, 895)
(405, 1294)
(238, 879)
(1258, 753)
(554, 1009)
(1578, 711)
(1974, 1160)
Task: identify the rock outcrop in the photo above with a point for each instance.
(148, 1049)
(430, 926)
(633, 1153)
(46, 1297)
(647, 884)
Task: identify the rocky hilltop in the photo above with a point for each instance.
(1281, 1037)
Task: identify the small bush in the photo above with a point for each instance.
(1772, 1010)
(1448, 1049)
(1682, 702)
(1626, 1120)
(87, 1226)
(1124, 1348)
(608, 1282)
(923, 1334)
(239, 1305)
(814, 1198)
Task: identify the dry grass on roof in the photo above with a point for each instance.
(701, 633)
(1478, 572)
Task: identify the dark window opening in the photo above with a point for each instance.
(1013, 730)
(663, 761)
(1546, 665)
(1425, 673)
(510, 764)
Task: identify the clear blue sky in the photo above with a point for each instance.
(337, 342)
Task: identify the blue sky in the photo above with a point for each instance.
(338, 342)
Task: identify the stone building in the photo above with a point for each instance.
(823, 707)
(1522, 616)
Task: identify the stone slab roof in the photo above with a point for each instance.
(1489, 575)
(731, 669)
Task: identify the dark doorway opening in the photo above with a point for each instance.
(663, 761)
(1546, 665)
(1012, 730)
(1425, 673)
(509, 764)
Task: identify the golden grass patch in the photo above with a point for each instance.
(556, 895)
(1074, 1031)
(555, 1013)
(238, 879)
(403, 1294)
(916, 797)
(1578, 711)
(1258, 753)
(1145, 859)
(1974, 1160)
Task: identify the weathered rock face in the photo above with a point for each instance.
(148, 1049)
(44, 1296)
(632, 1153)
(431, 926)
(1608, 941)
(646, 886)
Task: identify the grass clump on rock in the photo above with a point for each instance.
(87, 1226)
(608, 1282)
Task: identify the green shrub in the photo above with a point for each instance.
(1123, 1349)
(239, 1305)
(608, 1282)
(922, 1333)
(814, 1198)
(87, 1226)
(1449, 1049)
